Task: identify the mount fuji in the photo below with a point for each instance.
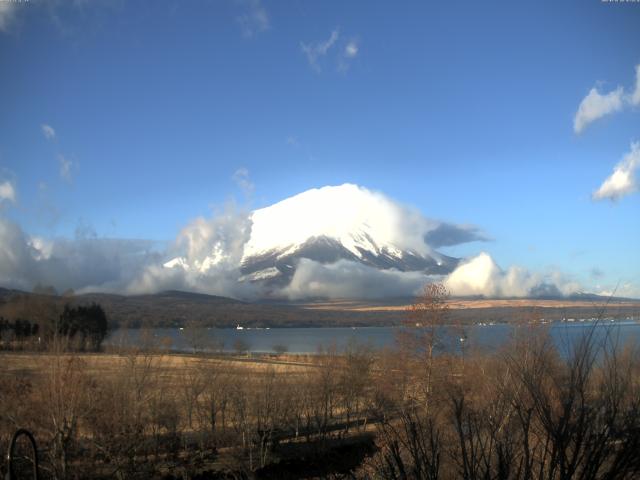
(333, 223)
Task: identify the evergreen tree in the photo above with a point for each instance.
(86, 323)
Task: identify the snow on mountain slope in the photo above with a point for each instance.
(332, 223)
(339, 222)
(351, 215)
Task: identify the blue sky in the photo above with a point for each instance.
(464, 110)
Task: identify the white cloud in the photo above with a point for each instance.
(626, 290)
(7, 192)
(635, 96)
(340, 211)
(7, 14)
(480, 275)
(596, 105)
(349, 53)
(48, 131)
(255, 18)
(347, 279)
(241, 178)
(103, 263)
(315, 51)
(622, 181)
(218, 240)
(475, 277)
(351, 49)
(66, 166)
(211, 251)
(16, 259)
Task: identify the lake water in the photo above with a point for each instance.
(308, 340)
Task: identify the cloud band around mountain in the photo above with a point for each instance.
(211, 250)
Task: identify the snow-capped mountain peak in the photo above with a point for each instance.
(327, 224)
(351, 215)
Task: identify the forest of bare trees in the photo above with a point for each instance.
(418, 411)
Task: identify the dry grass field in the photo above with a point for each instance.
(148, 414)
(365, 414)
(362, 414)
(459, 304)
(168, 368)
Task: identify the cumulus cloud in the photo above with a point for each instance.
(480, 275)
(596, 105)
(625, 290)
(7, 192)
(209, 249)
(348, 279)
(66, 166)
(208, 253)
(16, 256)
(78, 263)
(94, 264)
(48, 131)
(216, 241)
(254, 19)
(207, 256)
(623, 180)
(315, 51)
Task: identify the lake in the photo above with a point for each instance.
(308, 340)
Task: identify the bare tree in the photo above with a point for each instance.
(241, 346)
(194, 336)
(410, 448)
(191, 389)
(63, 403)
(423, 332)
(215, 398)
(280, 349)
(354, 380)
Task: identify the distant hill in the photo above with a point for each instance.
(177, 308)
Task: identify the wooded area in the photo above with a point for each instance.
(522, 412)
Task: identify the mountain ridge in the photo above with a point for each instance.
(178, 308)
